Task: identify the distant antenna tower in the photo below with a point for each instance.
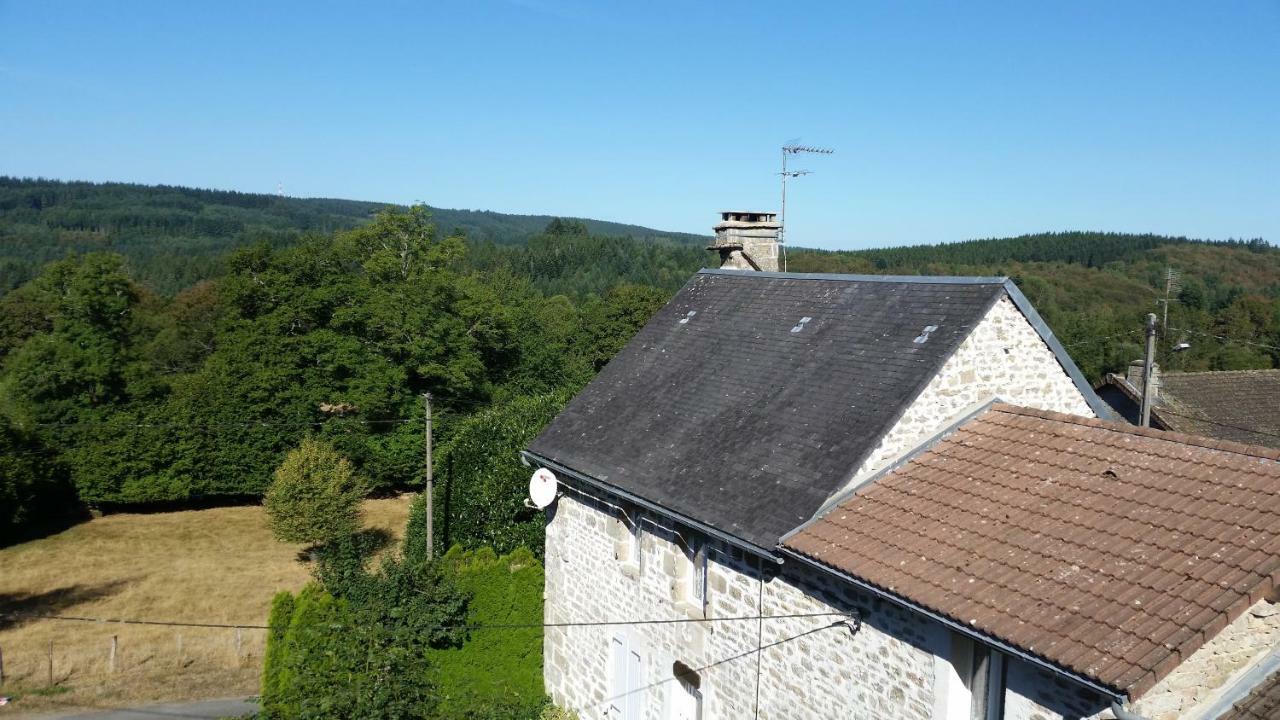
(1172, 286)
(792, 148)
(279, 189)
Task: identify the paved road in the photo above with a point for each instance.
(204, 710)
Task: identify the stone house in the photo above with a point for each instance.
(702, 472)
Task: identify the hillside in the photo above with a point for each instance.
(173, 237)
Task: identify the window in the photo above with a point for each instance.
(628, 542)
(626, 690)
(637, 544)
(686, 696)
(975, 684)
(696, 573)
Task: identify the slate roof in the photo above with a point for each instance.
(1110, 551)
(751, 398)
(1238, 405)
(1262, 703)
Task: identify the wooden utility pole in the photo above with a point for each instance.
(1148, 363)
(431, 487)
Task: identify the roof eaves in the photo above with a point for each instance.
(958, 626)
(1245, 684)
(1100, 408)
(917, 279)
(698, 525)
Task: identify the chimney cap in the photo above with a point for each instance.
(752, 216)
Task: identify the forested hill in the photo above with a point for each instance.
(1090, 249)
(173, 237)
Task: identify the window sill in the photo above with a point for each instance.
(693, 611)
(631, 570)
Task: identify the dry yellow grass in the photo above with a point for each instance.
(205, 566)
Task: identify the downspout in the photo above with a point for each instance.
(1122, 713)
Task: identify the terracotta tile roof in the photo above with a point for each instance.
(1240, 405)
(1263, 703)
(1111, 551)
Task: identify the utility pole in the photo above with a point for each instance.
(431, 488)
(1148, 363)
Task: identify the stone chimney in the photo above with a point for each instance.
(748, 240)
(1133, 375)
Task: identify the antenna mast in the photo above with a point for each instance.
(792, 148)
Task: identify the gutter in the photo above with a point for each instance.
(702, 527)
(1118, 709)
(1117, 698)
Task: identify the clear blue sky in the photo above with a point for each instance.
(950, 120)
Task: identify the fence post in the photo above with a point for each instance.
(179, 649)
(111, 659)
(1, 666)
(238, 647)
(50, 663)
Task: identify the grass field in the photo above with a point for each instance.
(217, 566)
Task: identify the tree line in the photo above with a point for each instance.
(111, 395)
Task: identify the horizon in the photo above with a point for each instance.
(949, 123)
(1076, 231)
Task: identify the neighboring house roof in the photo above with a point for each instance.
(1105, 550)
(1238, 405)
(752, 397)
(1263, 703)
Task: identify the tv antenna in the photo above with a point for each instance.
(792, 148)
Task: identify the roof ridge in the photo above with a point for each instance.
(1184, 373)
(1258, 451)
(850, 277)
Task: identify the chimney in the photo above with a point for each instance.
(748, 240)
(1133, 376)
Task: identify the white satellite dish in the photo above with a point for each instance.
(542, 488)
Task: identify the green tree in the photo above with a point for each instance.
(314, 496)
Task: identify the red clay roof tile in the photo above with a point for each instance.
(1111, 551)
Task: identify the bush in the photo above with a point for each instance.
(272, 681)
(314, 495)
(33, 487)
(480, 496)
(363, 655)
(496, 673)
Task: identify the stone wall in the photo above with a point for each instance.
(1003, 357)
(1183, 693)
(811, 667)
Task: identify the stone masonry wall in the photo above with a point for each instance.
(1003, 357)
(884, 671)
(1191, 686)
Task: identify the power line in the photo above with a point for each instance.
(856, 625)
(440, 626)
(1163, 410)
(1127, 333)
(1225, 339)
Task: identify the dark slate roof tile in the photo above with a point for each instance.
(729, 417)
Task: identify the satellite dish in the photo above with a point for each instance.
(542, 488)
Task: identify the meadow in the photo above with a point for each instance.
(215, 566)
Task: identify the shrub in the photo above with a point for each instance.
(272, 665)
(479, 494)
(33, 487)
(496, 673)
(314, 495)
